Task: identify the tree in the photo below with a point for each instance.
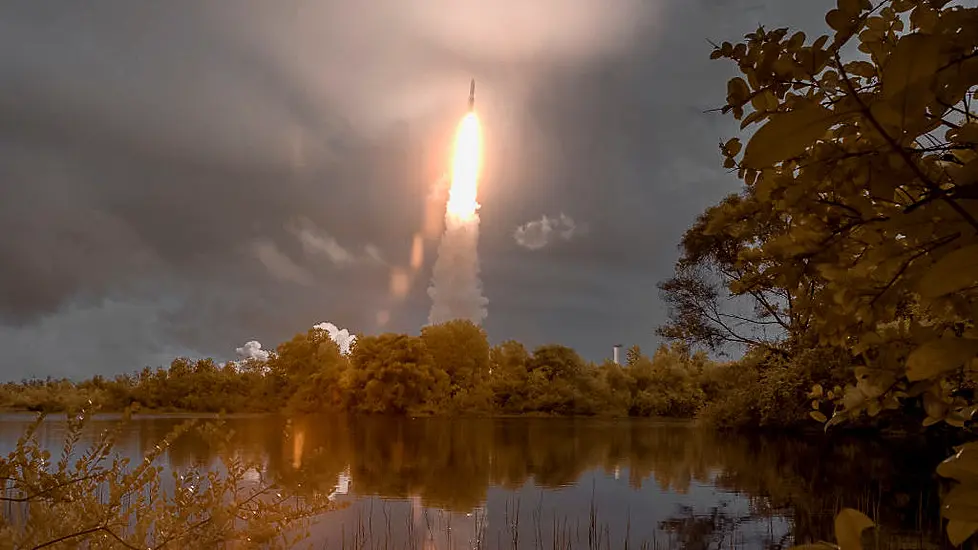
(508, 363)
(633, 355)
(868, 167)
(311, 367)
(556, 362)
(461, 349)
(720, 296)
(556, 381)
(394, 373)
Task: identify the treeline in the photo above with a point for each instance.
(450, 369)
(447, 369)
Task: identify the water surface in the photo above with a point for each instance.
(545, 483)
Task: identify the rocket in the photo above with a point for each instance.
(472, 96)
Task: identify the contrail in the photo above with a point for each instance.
(456, 288)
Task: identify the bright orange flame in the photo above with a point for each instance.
(466, 159)
(298, 442)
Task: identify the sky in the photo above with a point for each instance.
(179, 178)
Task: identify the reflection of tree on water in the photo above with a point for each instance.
(717, 528)
(450, 464)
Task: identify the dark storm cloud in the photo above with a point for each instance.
(631, 153)
(181, 179)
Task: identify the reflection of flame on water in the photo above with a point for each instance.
(252, 475)
(298, 440)
(342, 484)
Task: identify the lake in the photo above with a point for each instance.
(546, 483)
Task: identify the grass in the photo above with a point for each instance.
(435, 531)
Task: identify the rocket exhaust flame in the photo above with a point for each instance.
(462, 195)
(456, 288)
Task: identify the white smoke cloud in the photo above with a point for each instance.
(252, 350)
(318, 243)
(342, 337)
(537, 234)
(456, 289)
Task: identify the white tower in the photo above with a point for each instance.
(617, 350)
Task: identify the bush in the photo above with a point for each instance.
(102, 501)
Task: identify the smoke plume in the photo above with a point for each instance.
(456, 289)
(252, 350)
(342, 337)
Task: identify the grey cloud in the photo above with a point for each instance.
(537, 234)
(318, 243)
(280, 265)
(153, 157)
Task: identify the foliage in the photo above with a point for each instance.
(449, 369)
(769, 390)
(460, 348)
(99, 498)
(394, 373)
(857, 228)
(960, 505)
(310, 368)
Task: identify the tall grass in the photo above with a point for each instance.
(435, 531)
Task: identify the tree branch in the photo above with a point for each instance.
(50, 489)
(934, 246)
(83, 533)
(896, 146)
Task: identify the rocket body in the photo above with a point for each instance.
(472, 95)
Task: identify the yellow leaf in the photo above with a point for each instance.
(964, 175)
(849, 7)
(961, 466)
(733, 146)
(935, 407)
(861, 68)
(837, 20)
(938, 356)
(967, 133)
(961, 503)
(787, 135)
(915, 57)
(955, 271)
(737, 91)
(849, 527)
(923, 17)
(796, 40)
(959, 531)
(818, 416)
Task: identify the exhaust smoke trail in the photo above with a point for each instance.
(456, 289)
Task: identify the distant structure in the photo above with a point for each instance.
(617, 352)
